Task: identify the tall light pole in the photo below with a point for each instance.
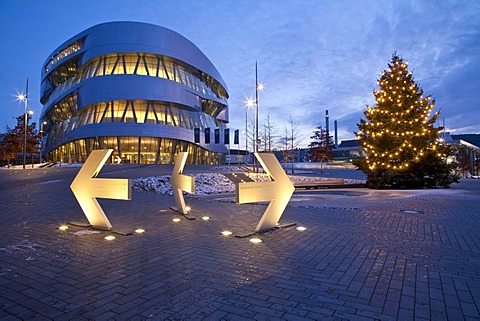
(41, 139)
(24, 98)
(249, 103)
(257, 88)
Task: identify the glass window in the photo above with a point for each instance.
(169, 70)
(110, 64)
(129, 113)
(118, 110)
(160, 111)
(149, 147)
(130, 64)
(119, 67)
(108, 116)
(128, 148)
(141, 67)
(151, 116)
(180, 75)
(140, 110)
(152, 64)
(99, 111)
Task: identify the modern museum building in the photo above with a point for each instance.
(142, 90)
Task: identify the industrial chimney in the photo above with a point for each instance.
(336, 133)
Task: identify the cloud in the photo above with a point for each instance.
(312, 55)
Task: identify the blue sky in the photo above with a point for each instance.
(312, 55)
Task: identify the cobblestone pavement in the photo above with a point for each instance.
(360, 257)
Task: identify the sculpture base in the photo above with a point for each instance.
(247, 233)
(187, 216)
(88, 225)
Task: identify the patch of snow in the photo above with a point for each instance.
(216, 183)
(228, 168)
(68, 165)
(205, 183)
(27, 166)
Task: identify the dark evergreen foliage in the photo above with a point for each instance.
(321, 147)
(399, 138)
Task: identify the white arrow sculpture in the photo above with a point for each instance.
(278, 191)
(181, 183)
(87, 188)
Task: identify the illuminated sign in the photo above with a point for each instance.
(181, 182)
(87, 188)
(278, 191)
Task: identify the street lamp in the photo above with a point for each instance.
(24, 98)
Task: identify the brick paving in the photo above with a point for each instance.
(359, 259)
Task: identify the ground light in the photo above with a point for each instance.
(256, 240)
(188, 209)
(140, 230)
(109, 237)
(176, 220)
(226, 233)
(301, 228)
(205, 218)
(63, 227)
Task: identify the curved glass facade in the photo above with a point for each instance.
(99, 92)
(68, 74)
(135, 150)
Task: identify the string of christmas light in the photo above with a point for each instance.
(399, 129)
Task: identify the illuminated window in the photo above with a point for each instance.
(130, 64)
(74, 47)
(139, 64)
(129, 114)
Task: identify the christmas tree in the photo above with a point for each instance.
(321, 147)
(399, 137)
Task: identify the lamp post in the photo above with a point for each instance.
(249, 103)
(257, 88)
(41, 139)
(256, 105)
(246, 133)
(24, 98)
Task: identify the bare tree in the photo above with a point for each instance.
(290, 141)
(269, 134)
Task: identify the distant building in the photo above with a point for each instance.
(348, 149)
(467, 155)
(470, 138)
(136, 88)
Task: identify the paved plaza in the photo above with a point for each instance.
(365, 255)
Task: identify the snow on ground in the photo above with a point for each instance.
(205, 183)
(216, 183)
(36, 166)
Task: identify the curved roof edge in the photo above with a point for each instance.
(162, 41)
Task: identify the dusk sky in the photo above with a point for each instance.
(312, 55)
